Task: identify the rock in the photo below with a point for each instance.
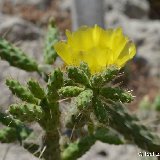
(101, 151)
(16, 29)
(154, 9)
(24, 2)
(131, 8)
(15, 152)
(145, 33)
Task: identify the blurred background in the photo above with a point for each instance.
(24, 23)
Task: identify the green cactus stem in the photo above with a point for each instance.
(70, 91)
(116, 94)
(52, 37)
(15, 57)
(80, 147)
(130, 127)
(22, 132)
(106, 76)
(84, 99)
(84, 67)
(36, 89)
(26, 112)
(8, 135)
(20, 91)
(78, 75)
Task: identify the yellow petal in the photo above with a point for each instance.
(126, 54)
(63, 50)
(97, 47)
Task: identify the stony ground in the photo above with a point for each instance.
(27, 31)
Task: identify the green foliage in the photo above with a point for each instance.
(15, 57)
(8, 135)
(78, 148)
(84, 67)
(36, 89)
(26, 112)
(52, 37)
(84, 99)
(20, 91)
(106, 76)
(78, 75)
(100, 111)
(55, 82)
(131, 128)
(116, 94)
(16, 128)
(70, 91)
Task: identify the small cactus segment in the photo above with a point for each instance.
(84, 99)
(8, 135)
(116, 94)
(22, 131)
(52, 37)
(100, 111)
(20, 91)
(69, 82)
(130, 128)
(79, 148)
(15, 57)
(26, 112)
(78, 75)
(36, 89)
(70, 91)
(55, 82)
(110, 73)
(106, 76)
(84, 67)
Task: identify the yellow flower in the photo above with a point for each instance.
(97, 47)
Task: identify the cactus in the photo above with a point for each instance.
(26, 112)
(15, 57)
(70, 91)
(36, 89)
(78, 148)
(52, 37)
(97, 107)
(20, 91)
(15, 129)
(7, 135)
